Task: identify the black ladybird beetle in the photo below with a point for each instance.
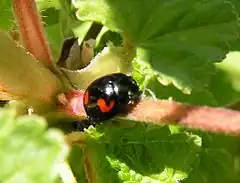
(110, 95)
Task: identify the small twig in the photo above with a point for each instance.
(205, 118)
(211, 119)
(34, 37)
(32, 30)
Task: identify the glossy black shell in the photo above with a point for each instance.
(117, 87)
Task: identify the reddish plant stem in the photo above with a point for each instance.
(32, 30)
(34, 37)
(211, 119)
(205, 118)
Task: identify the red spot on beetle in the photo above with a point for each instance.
(86, 98)
(103, 106)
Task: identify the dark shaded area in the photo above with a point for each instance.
(93, 31)
(114, 37)
(68, 125)
(3, 103)
(66, 47)
(69, 43)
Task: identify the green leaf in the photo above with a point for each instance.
(103, 39)
(22, 76)
(55, 39)
(149, 84)
(179, 39)
(70, 26)
(225, 85)
(6, 18)
(29, 152)
(218, 160)
(138, 152)
(43, 4)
